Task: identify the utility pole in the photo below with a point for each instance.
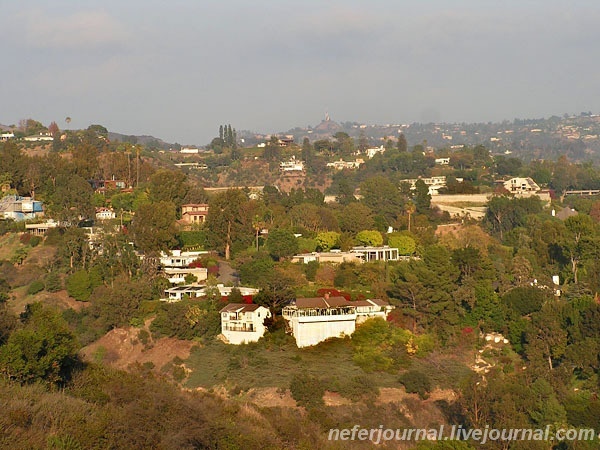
(129, 180)
(137, 166)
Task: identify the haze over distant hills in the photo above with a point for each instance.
(576, 136)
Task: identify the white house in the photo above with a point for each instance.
(333, 257)
(177, 275)
(39, 137)
(370, 308)
(373, 151)
(242, 323)
(7, 136)
(313, 320)
(341, 164)
(175, 294)
(192, 165)
(433, 183)
(178, 258)
(39, 229)
(384, 253)
(442, 161)
(292, 165)
(105, 214)
(521, 185)
(189, 150)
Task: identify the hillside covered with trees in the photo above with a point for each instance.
(430, 363)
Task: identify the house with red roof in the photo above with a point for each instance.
(314, 320)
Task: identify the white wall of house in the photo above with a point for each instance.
(364, 313)
(178, 258)
(177, 275)
(312, 330)
(244, 327)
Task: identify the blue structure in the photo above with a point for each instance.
(20, 208)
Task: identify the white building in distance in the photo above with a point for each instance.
(105, 213)
(371, 308)
(292, 165)
(179, 258)
(433, 183)
(373, 151)
(519, 185)
(242, 323)
(189, 151)
(313, 320)
(177, 275)
(341, 164)
(384, 253)
(177, 293)
(333, 257)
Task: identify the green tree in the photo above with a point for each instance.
(276, 292)
(235, 296)
(230, 219)
(74, 248)
(307, 390)
(307, 216)
(168, 186)
(344, 192)
(363, 142)
(116, 306)
(99, 130)
(409, 208)
(422, 196)
(425, 288)
(43, 350)
(327, 240)
(153, 227)
(281, 243)
(579, 242)
(8, 322)
(4, 290)
(402, 144)
(308, 153)
(525, 300)
(416, 382)
(256, 270)
(80, 285)
(272, 150)
(546, 340)
(405, 244)
(371, 238)
(499, 214)
(14, 163)
(53, 282)
(355, 217)
(70, 197)
(381, 195)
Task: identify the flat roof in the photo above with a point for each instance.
(321, 302)
(240, 307)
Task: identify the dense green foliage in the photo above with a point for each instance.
(453, 288)
(42, 349)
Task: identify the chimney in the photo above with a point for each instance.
(326, 296)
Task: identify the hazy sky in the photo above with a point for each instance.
(177, 69)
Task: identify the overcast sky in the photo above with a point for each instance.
(177, 69)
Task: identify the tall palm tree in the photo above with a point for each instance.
(410, 208)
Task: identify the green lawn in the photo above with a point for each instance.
(273, 361)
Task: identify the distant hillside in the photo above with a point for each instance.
(147, 141)
(575, 136)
